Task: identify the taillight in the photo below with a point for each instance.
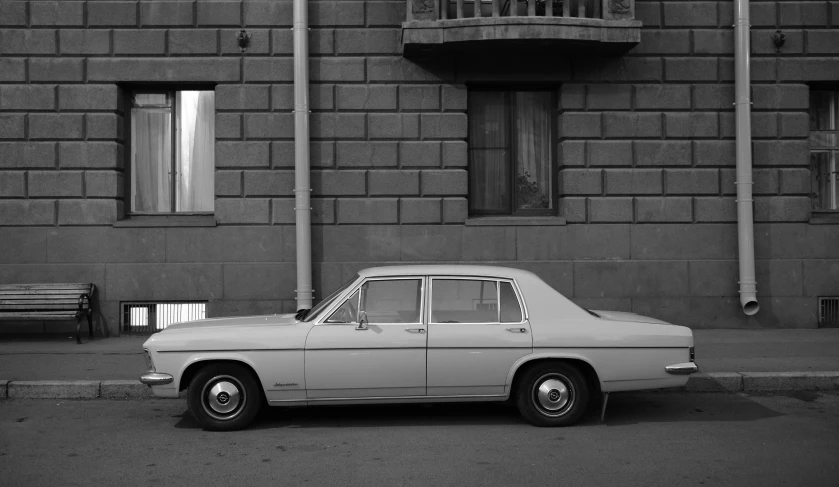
(692, 355)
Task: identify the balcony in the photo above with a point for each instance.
(605, 26)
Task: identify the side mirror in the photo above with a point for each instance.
(362, 321)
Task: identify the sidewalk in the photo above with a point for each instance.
(727, 359)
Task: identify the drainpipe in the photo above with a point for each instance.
(302, 190)
(745, 217)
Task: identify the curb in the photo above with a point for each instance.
(763, 381)
(711, 382)
(74, 389)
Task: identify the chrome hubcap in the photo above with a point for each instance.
(553, 394)
(223, 397)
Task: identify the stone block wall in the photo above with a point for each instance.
(645, 152)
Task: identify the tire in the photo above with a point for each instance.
(224, 397)
(552, 394)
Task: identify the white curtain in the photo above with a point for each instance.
(533, 150)
(196, 152)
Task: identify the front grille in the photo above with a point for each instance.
(151, 317)
(829, 312)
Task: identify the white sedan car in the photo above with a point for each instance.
(418, 334)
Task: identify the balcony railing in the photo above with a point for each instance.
(433, 23)
(464, 9)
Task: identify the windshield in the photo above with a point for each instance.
(326, 302)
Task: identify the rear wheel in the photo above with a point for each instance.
(552, 394)
(223, 397)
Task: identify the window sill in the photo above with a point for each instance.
(824, 217)
(150, 221)
(515, 221)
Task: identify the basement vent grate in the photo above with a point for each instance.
(151, 317)
(829, 312)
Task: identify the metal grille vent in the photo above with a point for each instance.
(151, 317)
(829, 312)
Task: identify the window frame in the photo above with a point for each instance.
(509, 89)
(324, 318)
(832, 151)
(497, 280)
(128, 104)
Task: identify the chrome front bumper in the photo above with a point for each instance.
(681, 369)
(155, 379)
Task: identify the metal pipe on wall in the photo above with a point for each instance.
(743, 111)
(302, 189)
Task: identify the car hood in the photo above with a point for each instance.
(286, 319)
(625, 316)
(274, 332)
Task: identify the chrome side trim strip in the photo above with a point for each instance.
(379, 398)
(235, 350)
(681, 369)
(155, 379)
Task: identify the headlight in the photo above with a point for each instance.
(149, 362)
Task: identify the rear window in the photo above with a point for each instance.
(474, 301)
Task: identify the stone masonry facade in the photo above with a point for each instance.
(645, 157)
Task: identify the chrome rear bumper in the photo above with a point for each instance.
(155, 379)
(681, 369)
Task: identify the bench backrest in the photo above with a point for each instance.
(17, 298)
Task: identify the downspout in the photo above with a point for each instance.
(302, 190)
(745, 217)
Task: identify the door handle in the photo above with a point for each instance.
(517, 330)
(415, 330)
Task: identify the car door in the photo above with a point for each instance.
(372, 345)
(477, 329)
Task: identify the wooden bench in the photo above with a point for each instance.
(47, 302)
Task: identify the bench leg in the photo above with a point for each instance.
(79, 330)
(90, 324)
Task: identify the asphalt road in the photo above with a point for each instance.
(647, 439)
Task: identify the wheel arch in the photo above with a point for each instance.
(585, 366)
(192, 369)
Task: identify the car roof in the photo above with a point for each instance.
(448, 270)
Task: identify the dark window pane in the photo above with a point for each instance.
(489, 189)
(510, 309)
(464, 301)
(533, 150)
(489, 155)
(823, 108)
(151, 160)
(823, 178)
(195, 154)
(142, 100)
(391, 301)
(488, 116)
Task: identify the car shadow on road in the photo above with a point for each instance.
(661, 407)
(623, 409)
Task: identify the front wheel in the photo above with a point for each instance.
(552, 394)
(223, 397)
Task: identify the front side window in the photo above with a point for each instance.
(511, 155)
(824, 148)
(474, 301)
(381, 302)
(172, 152)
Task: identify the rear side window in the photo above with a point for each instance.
(474, 301)
(510, 307)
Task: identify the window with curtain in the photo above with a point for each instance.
(511, 152)
(172, 152)
(824, 149)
